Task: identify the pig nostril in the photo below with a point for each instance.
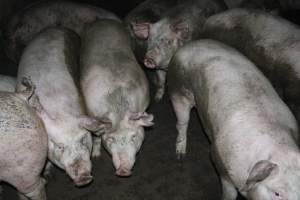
(149, 62)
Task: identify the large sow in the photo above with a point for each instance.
(115, 88)
(176, 27)
(51, 61)
(271, 42)
(23, 143)
(30, 21)
(253, 134)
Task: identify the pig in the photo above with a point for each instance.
(116, 90)
(271, 42)
(33, 19)
(7, 83)
(176, 27)
(253, 134)
(149, 11)
(23, 143)
(51, 61)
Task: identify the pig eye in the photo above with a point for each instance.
(134, 137)
(169, 42)
(59, 147)
(109, 141)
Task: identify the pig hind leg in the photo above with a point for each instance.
(96, 147)
(229, 191)
(160, 85)
(182, 107)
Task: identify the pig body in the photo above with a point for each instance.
(176, 27)
(7, 83)
(253, 134)
(51, 61)
(114, 87)
(23, 144)
(33, 19)
(271, 42)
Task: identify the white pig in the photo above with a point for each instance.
(115, 87)
(50, 60)
(253, 134)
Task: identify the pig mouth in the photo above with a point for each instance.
(150, 63)
(123, 172)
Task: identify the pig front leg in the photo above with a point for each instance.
(160, 84)
(37, 191)
(182, 108)
(96, 147)
(229, 191)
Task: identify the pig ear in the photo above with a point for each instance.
(96, 126)
(142, 119)
(259, 172)
(29, 89)
(141, 30)
(180, 28)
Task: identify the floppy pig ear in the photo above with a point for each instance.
(96, 126)
(141, 30)
(259, 172)
(180, 28)
(142, 119)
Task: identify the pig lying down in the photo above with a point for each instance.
(271, 42)
(51, 61)
(7, 83)
(23, 143)
(33, 19)
(179, 25)
(253, 134)
(115, 88)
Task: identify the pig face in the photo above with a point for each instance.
(125, 142)
(70, 144)
(268, 181)
(73, 155)
(163, 40)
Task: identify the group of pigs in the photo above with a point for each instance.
(79, 83)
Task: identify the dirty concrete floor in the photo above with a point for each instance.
(157, 173)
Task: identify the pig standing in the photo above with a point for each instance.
(23, 143)
(252, 132)
(7, 83)
(51, 62)
(179, 25)
(115, 87)
(33, 19)
(149, 11)
(271, 42)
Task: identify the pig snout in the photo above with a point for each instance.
(123, 172)
(80, 172)
(149, 62)
(83, 179)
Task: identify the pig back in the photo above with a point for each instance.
(51, 61)
(22, 135)
(110, 74)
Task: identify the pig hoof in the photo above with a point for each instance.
(180, 152)
(158, 96)
(96, 154)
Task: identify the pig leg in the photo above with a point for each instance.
(182, 108)
(229, 191)
(36, 191)
(160, 84)
(96, 147)
(47, 170)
